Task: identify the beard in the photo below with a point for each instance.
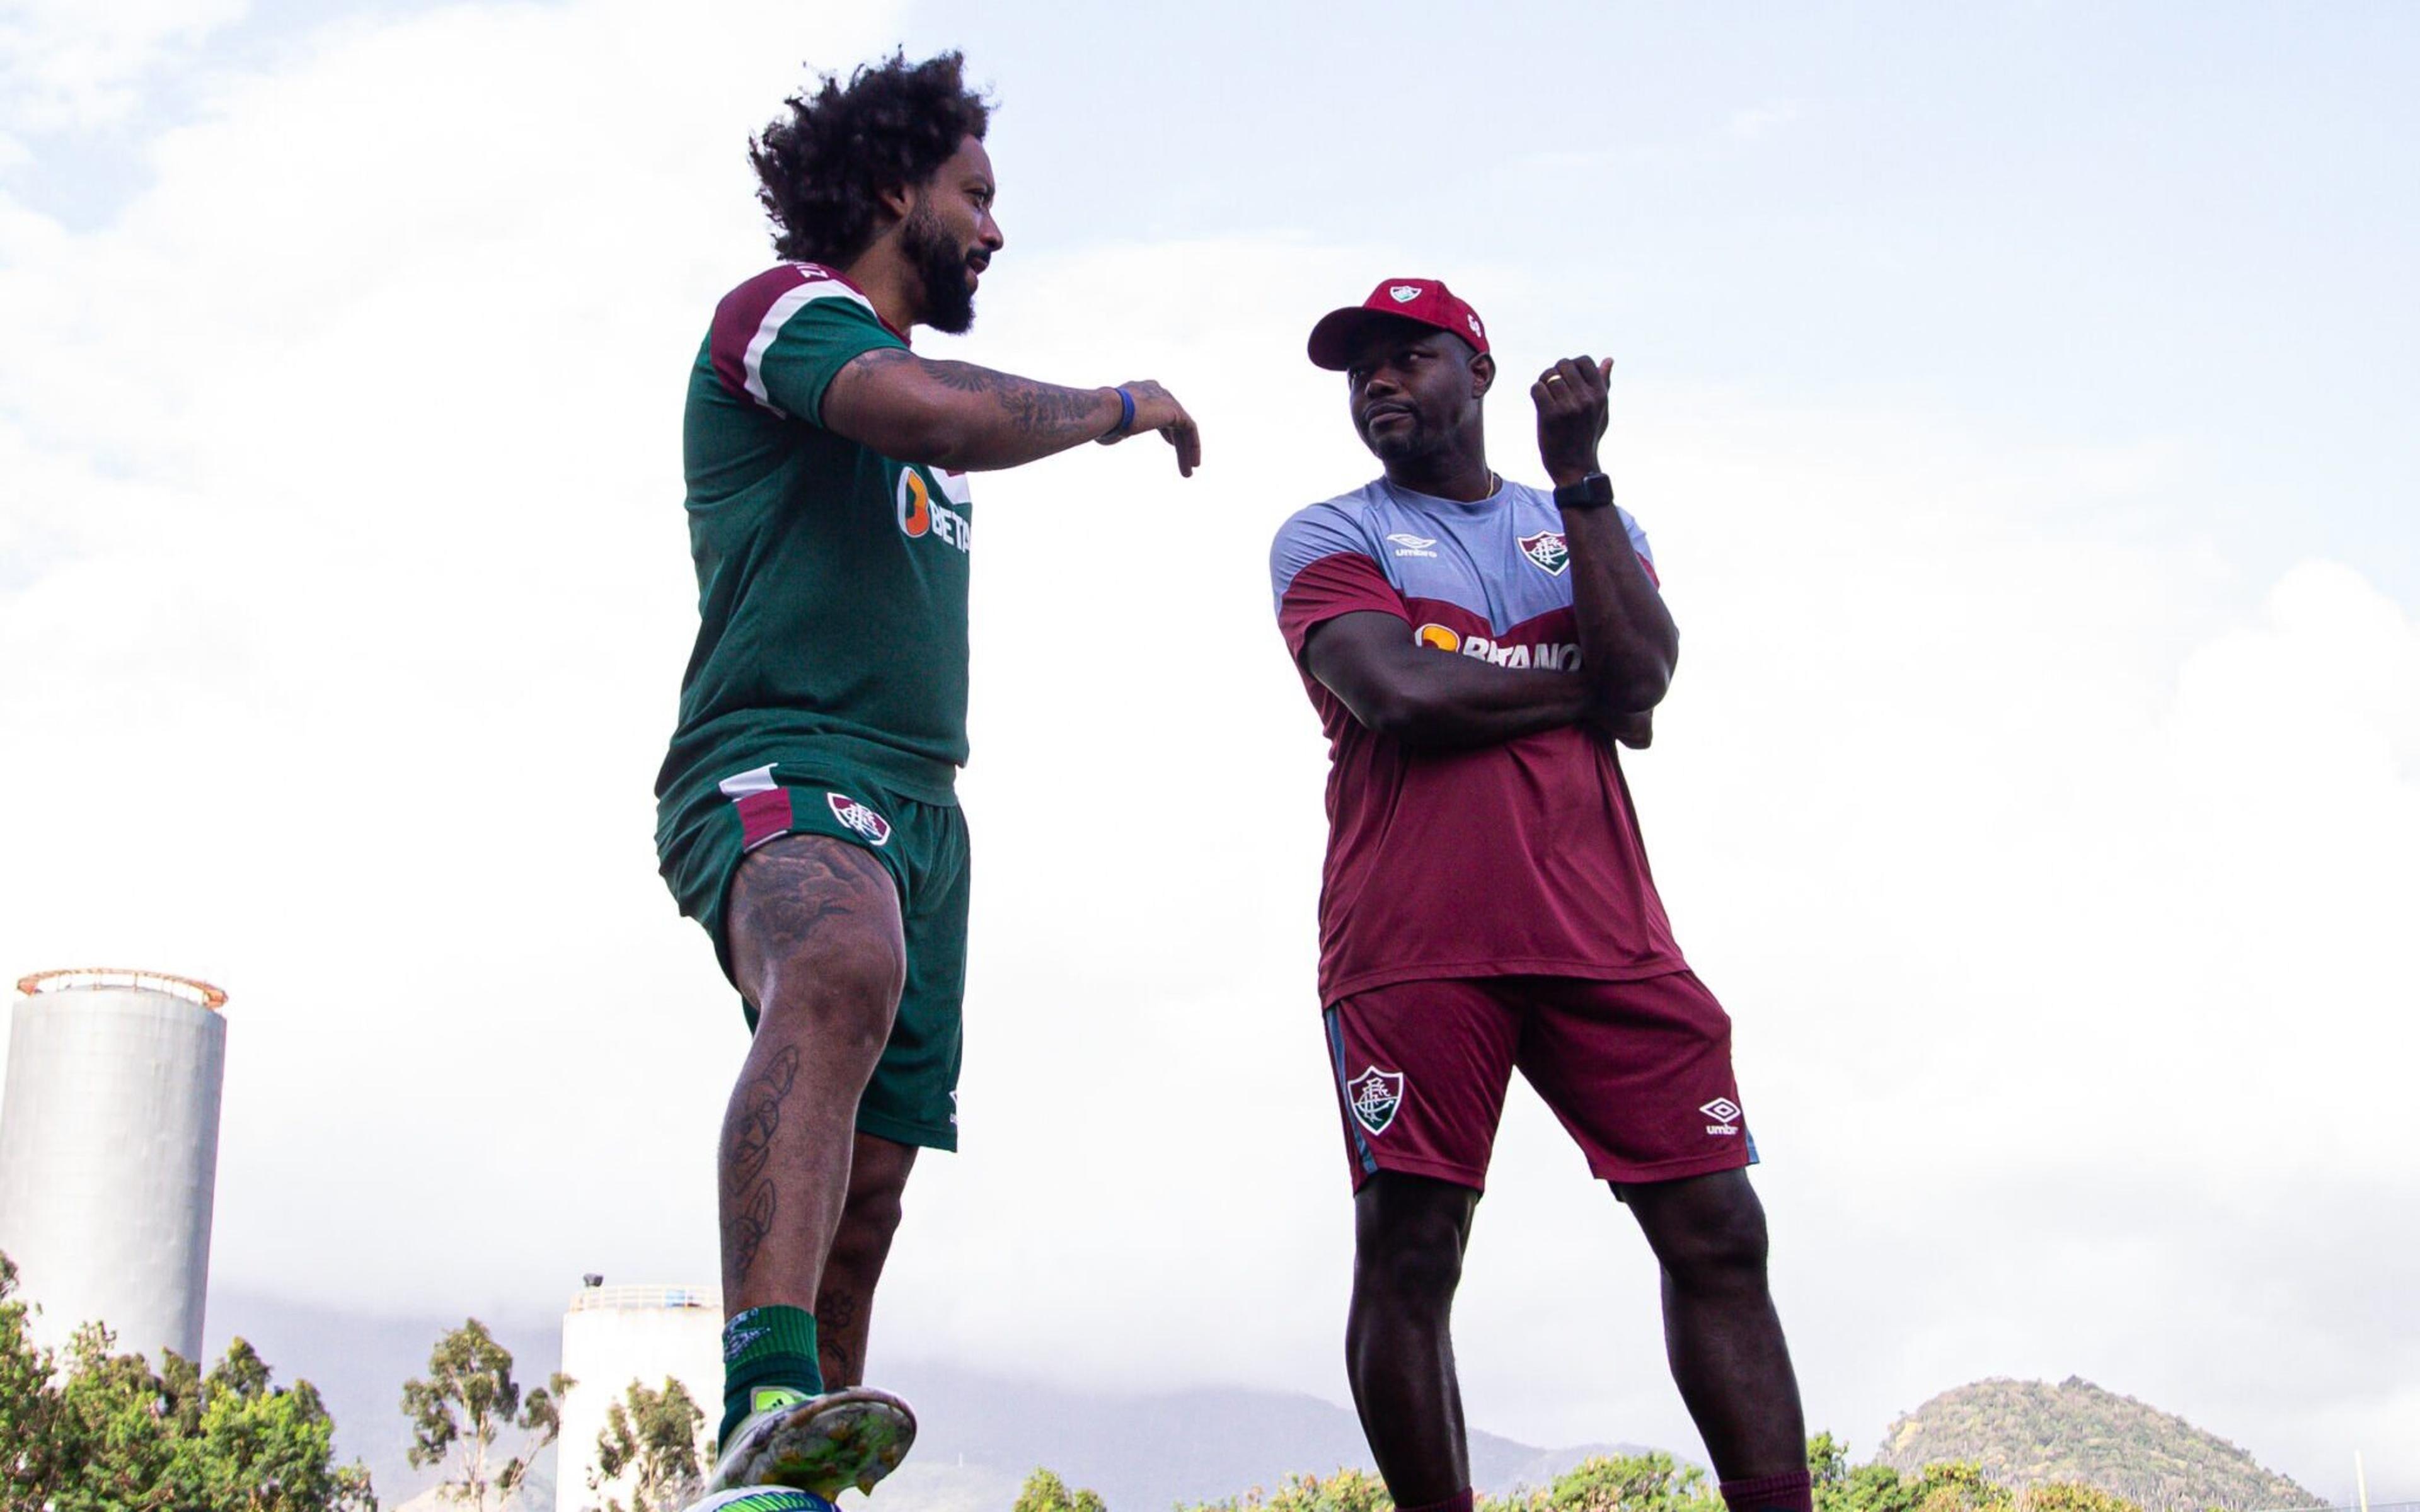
(940, 267)
(1404, 443)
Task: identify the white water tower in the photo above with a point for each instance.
(613, 1335)
(109, 1154)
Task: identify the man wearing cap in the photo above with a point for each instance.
(1475, 648)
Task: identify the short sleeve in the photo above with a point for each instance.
(1318, 569)
(779, 338)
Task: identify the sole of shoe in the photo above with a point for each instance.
(842, 1439)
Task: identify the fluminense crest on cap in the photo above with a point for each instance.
(1421, 301)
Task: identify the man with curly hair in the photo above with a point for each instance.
(806, 812)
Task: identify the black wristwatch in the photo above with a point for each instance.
(1595, 491)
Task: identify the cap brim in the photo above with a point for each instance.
(1332, 339)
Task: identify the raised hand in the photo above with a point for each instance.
(1573, 414)
(1156, 409)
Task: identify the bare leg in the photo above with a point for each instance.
(845, 1303)
(1409, 1232)
(816, 944)
(1720, 1331)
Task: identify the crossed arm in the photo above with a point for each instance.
(1441, 700)
(1628, 642)
(964, 418)
(1425, 697)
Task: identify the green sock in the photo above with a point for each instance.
(766, 1346)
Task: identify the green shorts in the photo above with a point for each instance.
(914, 1097)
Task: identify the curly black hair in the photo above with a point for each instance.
(820, 168)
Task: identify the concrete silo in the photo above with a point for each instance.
(613, 1335)
(109, 1154)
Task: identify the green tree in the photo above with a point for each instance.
(2067, 1496)
(655, 1436)
(1044, 1492)
(1961, 1486)
(1347, 1491)
(31, 1454)
(106, 1433)
(467, 1402)
(1619, 1483)
(259, 1448)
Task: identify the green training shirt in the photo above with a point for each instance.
(831, 581)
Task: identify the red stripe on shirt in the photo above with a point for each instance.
(742, 313)
(762, 816)
(1342, 583)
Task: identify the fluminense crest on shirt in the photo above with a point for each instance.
(1546, 548)
(1373, 1096)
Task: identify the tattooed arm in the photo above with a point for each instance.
(966, 418)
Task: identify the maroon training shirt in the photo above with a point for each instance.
(1515, 859)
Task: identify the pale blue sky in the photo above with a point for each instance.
(2097, 224)
(2184, 223)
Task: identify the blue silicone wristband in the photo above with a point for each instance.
(1126, 414)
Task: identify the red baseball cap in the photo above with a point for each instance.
(1423, 300)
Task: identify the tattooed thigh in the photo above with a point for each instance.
(813, 901)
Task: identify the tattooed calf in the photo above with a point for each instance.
(760, 1118)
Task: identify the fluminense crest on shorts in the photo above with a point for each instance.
(1546, 548)
(1373, 1096)
(859, 817)
(1404, 293)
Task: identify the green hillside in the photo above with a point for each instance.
(2026, 1432)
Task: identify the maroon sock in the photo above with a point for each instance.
(1794, 1492)
(1458, 1501)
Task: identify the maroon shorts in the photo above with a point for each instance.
(1638, 1071)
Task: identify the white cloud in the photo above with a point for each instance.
(2050, 868)
(1759, 120)
(72, 64)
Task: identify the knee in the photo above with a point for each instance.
(1419, 1269)
(847, 990)
(1722, 1248)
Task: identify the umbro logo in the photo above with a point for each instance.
(1407, 545)
(1725, 1113)
(1404, 293)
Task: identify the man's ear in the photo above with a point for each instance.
(1482, 373)
(896, 200)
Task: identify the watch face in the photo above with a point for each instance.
(1594, 491)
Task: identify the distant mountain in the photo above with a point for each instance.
(2024, 1432)
(981, 1435)
(984, 1434)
